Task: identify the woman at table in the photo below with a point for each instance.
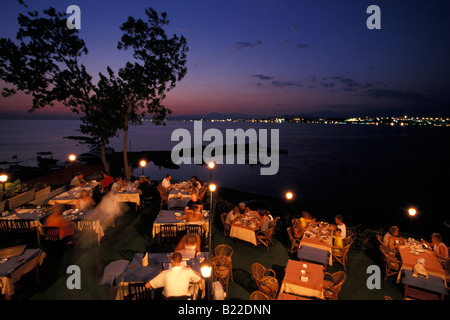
(391, 239)
(85, 201)
(196, 183)
(264, 220)
(297, 231)
(340, 225)
(438, 247)
(190, 242)
(243, 209)
(56, 219)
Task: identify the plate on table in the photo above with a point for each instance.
(177, 214)
(3, 260)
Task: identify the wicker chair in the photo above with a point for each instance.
(259, 272)
(295, 243)
(332, 284)
(265, 237)
(380, 239)
(340, 253)
(222, 271)
(202, 191)
(269, 286)
(258, 295)
(163, 194)
(391, 264)
(226, 226)
(226, 252)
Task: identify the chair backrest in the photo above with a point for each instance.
(195, 229)
(259, 271)
(289, 232)
(4, 225)
(274, 222)
(21, 225)
(258, 295)
(51, 233)
(168, 231)
(85, 225)
(223, 218)
(138, 291)
(380, 239)
(162, 192)
(223, 250)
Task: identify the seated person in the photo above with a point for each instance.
(337, 239)
(117, 185)
(77, 181)
(391, 239)
(107, 180)
(297, 231)
(144, 186)
(243, 209)
(264, 220)
(196, 183)
(306, 219)
(56, 219)
(165, 183)
(437, 247)
(233, 215)
(190, 242)
(175, 281)
(340, 224)
(85, 201)
(193, 215)
(194, 201)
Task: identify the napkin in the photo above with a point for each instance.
(419, 269)
(145, 260)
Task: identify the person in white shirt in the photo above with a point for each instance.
(165, 183)
(176, 280)
(340, 224)
(78, 180)
(232, 215)
(117, 186)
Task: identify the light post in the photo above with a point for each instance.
(72, 159)
(3, 179)
(206, 269)
(289, 196)
(211, 166)
(212, 188)
(143, 163)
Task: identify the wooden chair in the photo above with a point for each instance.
(168, 234)
(258, 295)
(85, 232)
(226, 226)
(388, 298)
(138, 291)
(265, 237)
(332, 284)
(24, 229)
(259, 272)
(51, 233)
(163, 194)
(221, 271)
(226, 252)
(195, 229)
(340, 253)
(269, 286)
(295, 243)
(391, 264)
(274, 223)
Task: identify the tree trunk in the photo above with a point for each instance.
(125, 139)
(105, 162)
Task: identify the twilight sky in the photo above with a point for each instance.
(273, 57)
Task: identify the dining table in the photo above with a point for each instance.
(171, 217)
(410, 254)
(156, 262)
(82, 218)
(245, 228)
(304, 279)
(316, 244)
(71, 196)
(179, 195)
(13, 268)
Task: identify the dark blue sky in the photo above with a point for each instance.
(269, 57)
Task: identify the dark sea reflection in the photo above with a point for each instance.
(372, 173)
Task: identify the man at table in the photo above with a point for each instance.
(243, 209)
(165, 183)
(438, 247)
(117, 185)
(107, 180)
(391, 240)
(77, 181)
(145, 187)
(85, 201)
(233, 215)
(194, 201)
(175, 281)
